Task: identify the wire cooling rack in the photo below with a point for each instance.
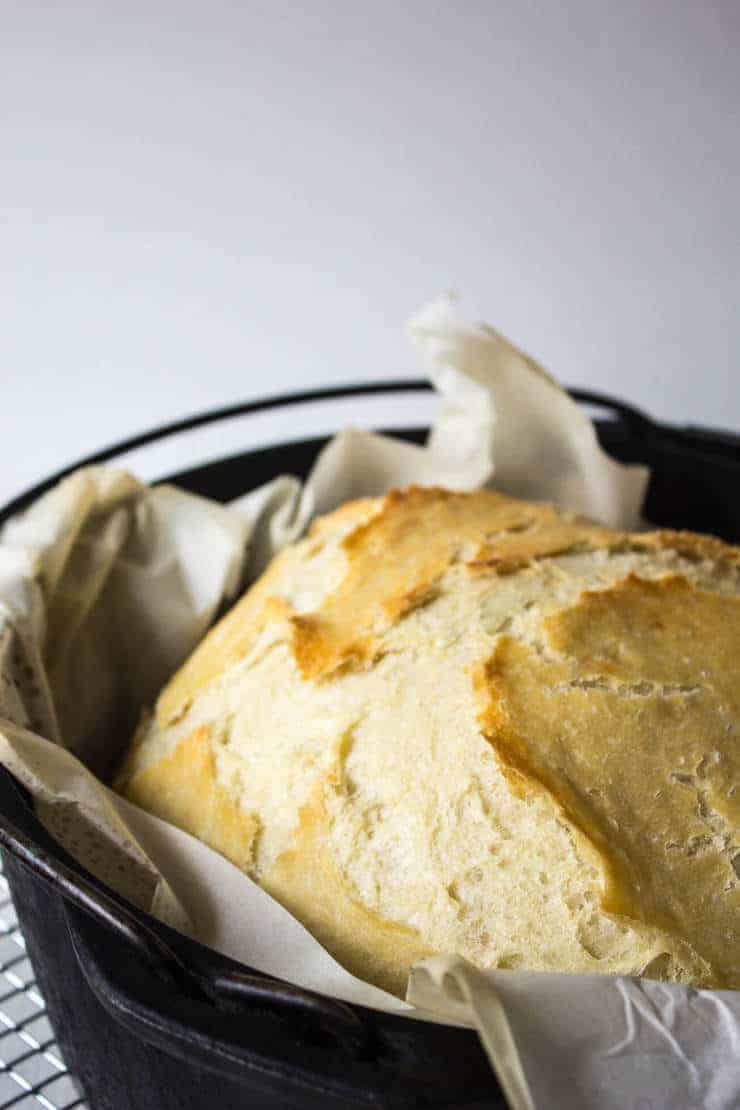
(32, 1071)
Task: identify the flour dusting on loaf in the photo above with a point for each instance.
(464, 723)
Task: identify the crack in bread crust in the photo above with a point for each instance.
(595, 754)
(461, 722)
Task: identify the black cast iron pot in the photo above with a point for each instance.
(150, 1020)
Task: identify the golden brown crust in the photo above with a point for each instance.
(349, 514)
(608, 717)
(234, 635)
(183, 788)
(692, 545)
(607, 690)
(548, 535)
(395, 558)
(307, 882)
(392, 562)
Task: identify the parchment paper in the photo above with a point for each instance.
(593, 1040)
(106, 585)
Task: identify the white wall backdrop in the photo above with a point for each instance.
(202, 202)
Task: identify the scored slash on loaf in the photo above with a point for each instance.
(465, 723)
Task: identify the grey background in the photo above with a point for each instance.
(203, 202)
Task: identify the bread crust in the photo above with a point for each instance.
(463, 721)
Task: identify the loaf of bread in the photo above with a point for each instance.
(469, 724)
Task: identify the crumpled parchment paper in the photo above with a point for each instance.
(593, 1040)
(107, 584)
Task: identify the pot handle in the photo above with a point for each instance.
(637, 421)
(86, 894)
(213, 416)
